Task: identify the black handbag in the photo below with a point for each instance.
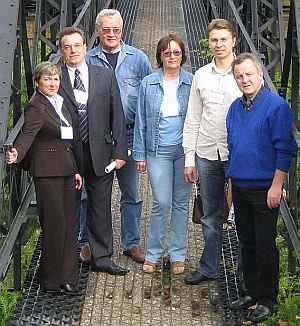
(197, 208)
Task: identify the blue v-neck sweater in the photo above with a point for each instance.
(260, 140)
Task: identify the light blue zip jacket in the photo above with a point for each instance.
(132, 66)
(146, 130)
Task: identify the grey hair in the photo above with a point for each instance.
(246, 56)
(46, 68)
(111, 13)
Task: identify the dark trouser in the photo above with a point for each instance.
(256, 228)
(58, 220)
(99, 219)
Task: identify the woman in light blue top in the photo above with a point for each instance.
(157, 146)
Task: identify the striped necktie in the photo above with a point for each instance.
(82, 108)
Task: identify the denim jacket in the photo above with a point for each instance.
(146, 130)
(132, 66)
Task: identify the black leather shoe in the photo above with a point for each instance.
(259, 314)
(51, 291)
(243, 303)
(69, 289)
(196, 278)
(112, 269)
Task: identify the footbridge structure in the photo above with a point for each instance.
(28, 32)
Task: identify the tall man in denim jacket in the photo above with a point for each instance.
(131, 65)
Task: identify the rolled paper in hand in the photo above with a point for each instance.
(110, 167)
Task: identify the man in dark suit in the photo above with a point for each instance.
(92, 96)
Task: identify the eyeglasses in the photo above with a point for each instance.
(168, 54)
(107, 31)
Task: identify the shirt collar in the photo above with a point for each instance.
(56, 100)
(248, 103)
(83, 69)
(215, 68)
(113, 52)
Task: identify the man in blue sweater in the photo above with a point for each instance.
(261, 150)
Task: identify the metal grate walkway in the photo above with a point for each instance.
(38, 308)
(139, 298)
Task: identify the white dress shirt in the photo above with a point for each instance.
(84, 75)
(204, 131)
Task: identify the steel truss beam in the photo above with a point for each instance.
(9, 11)
(53, 15)
(262, 20)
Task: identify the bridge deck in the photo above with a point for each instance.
(138, 298)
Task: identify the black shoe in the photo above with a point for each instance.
(259, 314)
(196, 278)
(112, 269)
(52, 291)
(243, 303)
(69, 289)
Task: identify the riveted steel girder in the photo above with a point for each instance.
(9, 18)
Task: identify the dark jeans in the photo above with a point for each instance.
(256, 228)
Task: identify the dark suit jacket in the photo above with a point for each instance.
(106, 121)
(51, 156)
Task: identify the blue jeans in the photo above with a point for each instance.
(212, 182)
(84, 239)
(169, 190)
(131, 204)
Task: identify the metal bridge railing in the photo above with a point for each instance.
(260, 30)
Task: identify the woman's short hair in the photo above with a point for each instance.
(164, 43)
(46, 68)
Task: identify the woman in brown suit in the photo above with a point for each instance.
(47, 130)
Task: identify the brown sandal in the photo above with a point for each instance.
(177, 267)
(149, 267)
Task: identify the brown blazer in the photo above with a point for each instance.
(51, 156)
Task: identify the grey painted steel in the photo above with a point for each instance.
(297, 18)
(196, 30)
(8, 17)
(9, 242)
(281, 31)
(291, 226)
(245, 42)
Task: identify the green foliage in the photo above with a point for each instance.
(288, 311)
(8, 302)
(205, 52)
(28, 249)
(288, 308)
